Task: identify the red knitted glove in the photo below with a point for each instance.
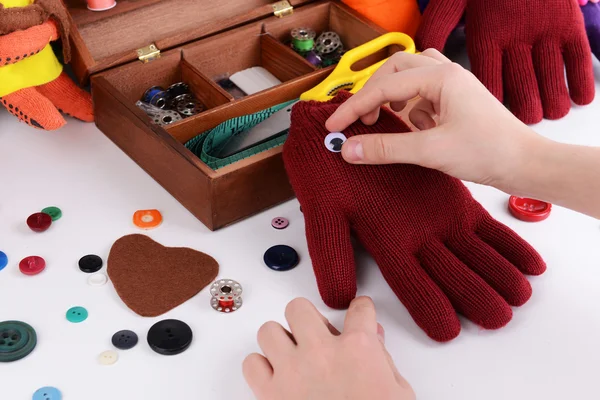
(438, 248)
(519, 50)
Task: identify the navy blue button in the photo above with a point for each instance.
(3, 260)
(124, 340)
(281, 258)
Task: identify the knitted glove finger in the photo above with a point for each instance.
(426, 303)
(488, 69)
(580, 72)
(34, 109)
(591, 16)
(551, 79)
(69, 98)
(19, 45)
(332, 255)
(522, 92)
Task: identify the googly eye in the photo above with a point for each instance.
(334, 141)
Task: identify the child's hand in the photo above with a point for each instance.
(475, 138)
(315, 361)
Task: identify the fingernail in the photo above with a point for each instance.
(353, 151)
(381, 333)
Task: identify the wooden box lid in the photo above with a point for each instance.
(105, 39)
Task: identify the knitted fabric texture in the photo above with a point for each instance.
(22, 18)
(519, 51)
(438, 249)
(152, 279)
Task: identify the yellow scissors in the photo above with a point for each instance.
(343, 77)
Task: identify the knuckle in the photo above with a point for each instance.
(359, 340)
(379, 150)
(453, 70)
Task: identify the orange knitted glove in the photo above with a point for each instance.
(40, 106)
(392, 15)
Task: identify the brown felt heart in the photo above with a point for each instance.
(152, 279)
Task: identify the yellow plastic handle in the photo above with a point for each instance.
(343, 77)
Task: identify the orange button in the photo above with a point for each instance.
(147, 219)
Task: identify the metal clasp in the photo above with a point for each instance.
(148, 53)
(282, 8)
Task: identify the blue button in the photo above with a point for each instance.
(3, 260)
(47, 393)
(281, 258)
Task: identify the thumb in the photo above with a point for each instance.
(386, 148)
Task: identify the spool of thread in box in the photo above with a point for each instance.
(303, 39)
(100, 5)
(156, 95)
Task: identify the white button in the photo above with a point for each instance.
(109, 357)
(97, 279)
(334, 141)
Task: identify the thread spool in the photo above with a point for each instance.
(189, 106)
(156, 96)
(313, 58)
(303, 39)
(226, 295)
(328, 43)
(100, 5)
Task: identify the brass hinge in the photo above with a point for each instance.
(148, 53)
(282, 8)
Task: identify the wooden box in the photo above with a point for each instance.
(198, 41)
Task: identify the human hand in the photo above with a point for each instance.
(315, 361)
(465, 131)
(591, 16)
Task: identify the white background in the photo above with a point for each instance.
(550, 350)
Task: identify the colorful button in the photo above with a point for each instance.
(77, 314)
(17, 340)
(108, 357)
(53, 212)
(32, 265)
(97, 279)
(147, 219)
(281, 258)
(124, 340)
(529, 210)
(90, 263)
(39, 222)
(47, 393)
(3, 260)
(280, 223)
(334, 141)
(169, 337)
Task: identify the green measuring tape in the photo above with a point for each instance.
(207, 144)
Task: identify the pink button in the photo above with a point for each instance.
(280, 223)
(32, 265)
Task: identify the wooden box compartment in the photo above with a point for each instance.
(229, 194)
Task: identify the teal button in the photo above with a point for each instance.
(17, 340)
(53, 212)
(77, 314)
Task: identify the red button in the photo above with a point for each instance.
(32, 265)
(39, 222)
(529, 210)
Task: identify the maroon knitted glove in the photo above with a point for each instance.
(438, 248)
(519, 50)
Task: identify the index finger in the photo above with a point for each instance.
(401, 86)
(361, 316)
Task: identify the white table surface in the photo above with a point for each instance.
(550, 350)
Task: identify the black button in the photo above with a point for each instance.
(281, 258)
(169, 337)
(124, 340)
(90, 263)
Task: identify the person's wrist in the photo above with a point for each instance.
(520, 172)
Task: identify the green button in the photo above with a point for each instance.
(53, 212)
(77, 314)
(17, 340)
